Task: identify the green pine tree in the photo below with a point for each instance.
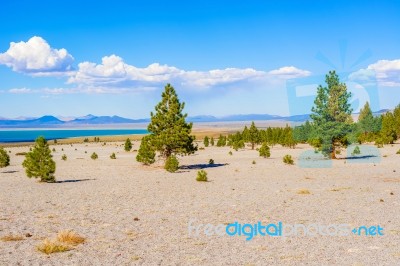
(206, 141)
(128, 145)
(253, 135)
(170, 134)
(332, 115)
(146, 153)
(264, 150)
(38, 163)
(396, 114)
(212, 141)
(388, 132)
(4, 158)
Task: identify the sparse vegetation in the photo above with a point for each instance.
(70, 237)
(230, 153)
(287, 159)
(206, 141)
(171, 164)
(113, 156)
(211, 161)
(94, 156)
(201, 176)
(4, 158)
(356, 151)
(212, 141)
(49, 247)
(264, 151)
(39, 163)
(22, 153)
(253, 162)
(9, 238)
(53, 150)
(303, 192)
(64, 157)
(146, 154)
(128, 145)
(86, 140)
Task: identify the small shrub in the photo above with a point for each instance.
(356, 151)
(253, 162)
(64, 157)
(55, 141)
(54, 150)
(21, 153)
(9, 238)
(206, 141)
(201, 148)
(201, 176)
(128, 145)
(112, 156)
(398, 152)
(4, 158)
(85, 151)
(303, 192)
(94, 156)
(171, 164)
(146, 153)
(230, 153)
(211, 161)
(212, 141)
(49, 247)
(287, 159)
(264, 151)
(62, 149)
(86, 140)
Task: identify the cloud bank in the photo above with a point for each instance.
(384, 72)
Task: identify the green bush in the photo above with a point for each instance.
(287, 159)
(94, 156)
(230, 153)
(212, 141)
(112, 156)
(64, 157)
(128, 145)
(38, 163)
(206, 141)
(356, 151)
(253, 162)
(211, 161)
(201, 176)
(171, 164)
(4, 158)
(86, 140)
(264, 151)
(54, 150)
(146, 153)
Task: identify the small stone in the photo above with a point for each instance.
(136, 219)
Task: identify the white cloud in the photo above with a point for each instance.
(289, 72)
(36, 57)
(384, 72)
(20, 91)
(115, 72)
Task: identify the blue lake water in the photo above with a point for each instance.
(31, 135)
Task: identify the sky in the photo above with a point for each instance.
(75, 58)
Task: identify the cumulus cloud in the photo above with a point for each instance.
(384, 72)
(114, 71)
(20, 91)
(36, 57)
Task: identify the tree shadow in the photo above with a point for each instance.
(360, 157)
(74, 180)
(9, 172)
(201, 166)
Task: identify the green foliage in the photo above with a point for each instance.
(230, 153)
(96, 139)
(303, 132)
(206, 141)
(94, 156)
(388, 132)
(64, 157)
(332, 115)
(211, 161)
(38, 163)
(86, 140)
(4, 158)
(212, 141)
(356, 151)
(53, 150)
(264, 151)
(368, 126)
(113, 156)
(287, 159)
(201, 176)
(146, 153)
(128, 145)
(253, 162)
(254, 137)
(221, 141)
(398, 152)
(171, 164)
(170, 134)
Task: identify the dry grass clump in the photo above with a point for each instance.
(66, 240)
(70, 237)
(303, 192)
(11, 238)
(49, 246)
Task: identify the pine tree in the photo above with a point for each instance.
(39, 163)
(396, 114)
(128, 145)
(212, 141)
(4, 158)
(206, 141)
(246, 134)
(388, 131)
(170, 134)
(264, 151)
(332, 115)
(253, 135)
(146, 153)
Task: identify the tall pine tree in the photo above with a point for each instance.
(332, 115)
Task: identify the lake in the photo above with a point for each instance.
(50, 134)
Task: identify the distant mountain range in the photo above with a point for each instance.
(49, 121)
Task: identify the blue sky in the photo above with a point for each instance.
(222, 57)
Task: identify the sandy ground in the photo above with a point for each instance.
(136, 215)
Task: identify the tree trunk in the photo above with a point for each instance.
(333, 154)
